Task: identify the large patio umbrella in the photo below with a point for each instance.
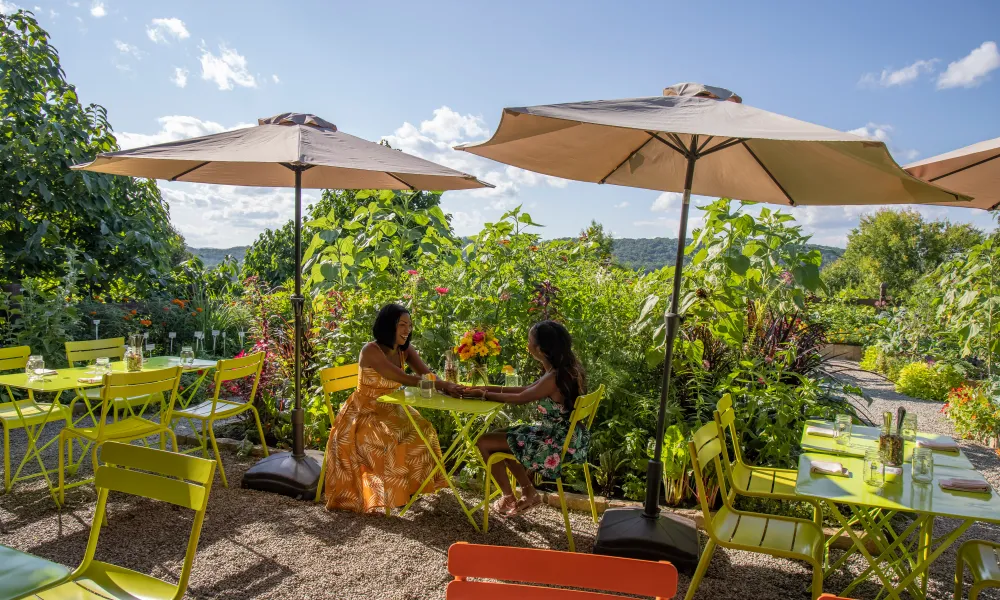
(286, 150)
(702, 140)
(973, 170)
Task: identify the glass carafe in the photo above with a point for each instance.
(133, 353)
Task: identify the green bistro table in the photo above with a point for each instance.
(34, 416)
(873, 508)
(465, 413)
(864, 438)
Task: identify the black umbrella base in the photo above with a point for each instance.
(628, 533)
(285, 474)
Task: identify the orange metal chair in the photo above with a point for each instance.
(530, 570)
(832, 597)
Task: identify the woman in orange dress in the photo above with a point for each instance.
(375, 457)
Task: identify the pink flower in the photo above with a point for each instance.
(441, 290)
(412, 272)
(552, 461)
(520, 444)
(548, 441)
(478, 336)
(534, 466)
(542, 410)
(571, 450)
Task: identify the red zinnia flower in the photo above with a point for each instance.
(441, 290)
(412, 272)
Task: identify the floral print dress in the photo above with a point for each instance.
(539, 447)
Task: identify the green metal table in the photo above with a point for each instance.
(896, 555)
(463, 448)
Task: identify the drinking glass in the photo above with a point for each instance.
(187, 355)
(909, 431)
(409, 392)
(102, 366)
(34, 367)
(512, 380)
(874, 474)
(426, 386)
(842, 430)
(923, 465)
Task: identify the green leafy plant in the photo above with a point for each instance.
(928, 382)
(974, 410)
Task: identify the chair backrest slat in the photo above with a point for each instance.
(488, 590)
(550, 567)
(238, 368)
(584, 411)
(335, 379)
(157, 487)
(705, 448)
(139, 383)
(15, 357)
(90, 349)
(171, 464)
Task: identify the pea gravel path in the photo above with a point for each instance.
(257, 545)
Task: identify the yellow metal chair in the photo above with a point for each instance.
(332, 380)
(584, 411)
(783, 537)
(210, 411)
(111, 348)
(24, 414)
(751, 481)
(176, 479)
(121, 385)
(983, 560)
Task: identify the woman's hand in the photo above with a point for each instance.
(465, 391)
(445, 386)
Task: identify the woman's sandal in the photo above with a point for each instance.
(505, 506)
(525, 504)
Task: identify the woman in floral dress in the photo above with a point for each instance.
(375, 458)
(538, 447)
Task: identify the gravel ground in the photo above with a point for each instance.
(257, 545)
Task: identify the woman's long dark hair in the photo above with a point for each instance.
(384, 328)
(556, 345)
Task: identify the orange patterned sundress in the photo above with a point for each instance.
(374, 458)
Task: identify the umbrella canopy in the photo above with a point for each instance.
(260, 156)
(743, 152)
(973, 170)
(287, 150)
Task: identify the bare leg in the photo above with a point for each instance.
(497, 442)
(521, 474)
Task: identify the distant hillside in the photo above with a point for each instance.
(650, 254)
(213, 256)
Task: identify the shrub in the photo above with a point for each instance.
(928, 382)
(974, 411)
(869, 362)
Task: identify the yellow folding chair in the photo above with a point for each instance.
(584, 411)
(332, 380)
(784, 537)
(210, 411)
(751, 481)
(121, 385)
(111, 348)
(983, 560)
(169, 477)
(25, 414)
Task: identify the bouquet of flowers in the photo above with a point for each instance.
(476, 346)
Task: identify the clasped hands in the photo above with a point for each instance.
(460, 391)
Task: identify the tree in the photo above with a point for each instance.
(896, 247)
(118, 226)
(271, 258)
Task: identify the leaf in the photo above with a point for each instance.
(382, 262)
(650, 304)
(655, 356)
(327, 271)
(739, 264)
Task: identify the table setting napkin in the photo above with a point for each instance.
(943, 444)
(960, 484)
(46, 372)
(828, 467)
(819, 431)
(96, 379)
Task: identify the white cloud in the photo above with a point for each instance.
(907, 74)
(129, 49)
(173, 128)
(159, 30)
(883, 133)
(180, 77)
(73, 4)
(53, 14)
(7, 8)
(622, 205)
(275, 79)
(972, 70)
(97, 10)
(667, 201)
(226, 69)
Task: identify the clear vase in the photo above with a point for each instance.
(478, 375)
(133, 354)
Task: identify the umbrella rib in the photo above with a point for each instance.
(676, 149)
(705, 143)
(183, 173)
(630, 155)
(975, 164)
(769, 174)
(722, 146)
(408, 186)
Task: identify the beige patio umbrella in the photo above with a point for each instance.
(973, 170)
(287, 150)
(703, 140)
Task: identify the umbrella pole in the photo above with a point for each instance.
(654, 470)
(298, 418)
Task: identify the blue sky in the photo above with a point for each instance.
(921, 77)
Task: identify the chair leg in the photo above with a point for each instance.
(817, 580)
(699, 573)
(173, 439)
(590, 492)
(62, 469)
(218, 456)
(959, 575)
(486, 497)
(322, 479)
(260, 432)
(565, 513)
(6, 458)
